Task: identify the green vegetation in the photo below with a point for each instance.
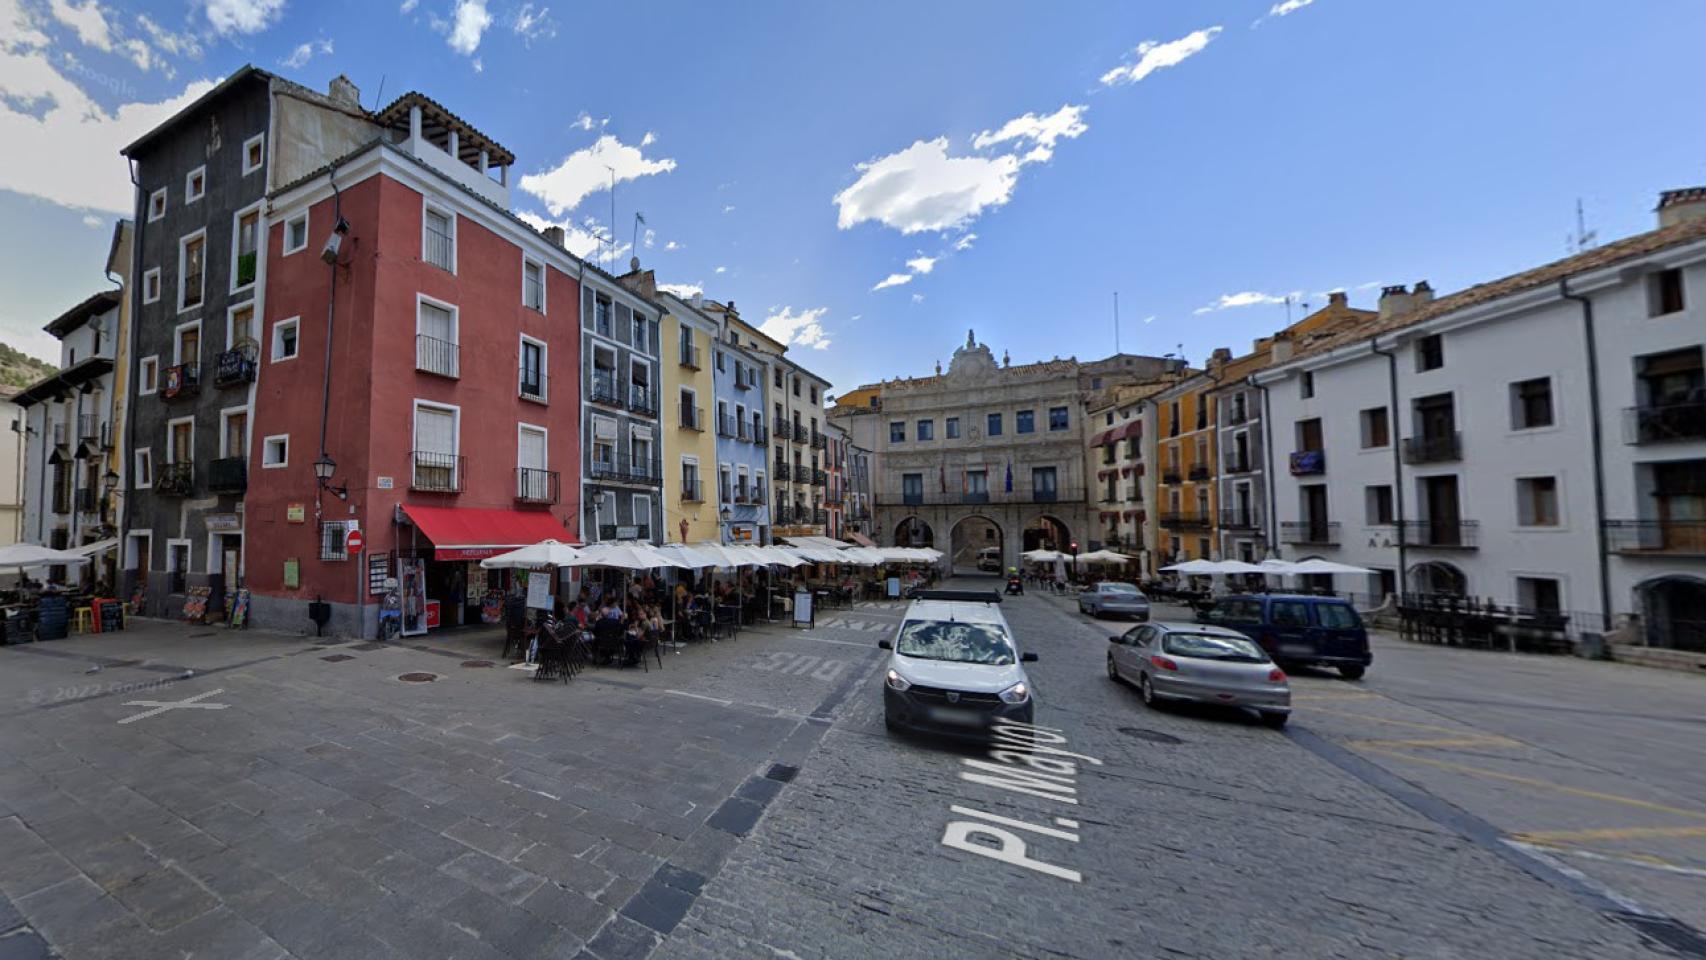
(19, 369)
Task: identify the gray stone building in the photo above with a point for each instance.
(623, 468)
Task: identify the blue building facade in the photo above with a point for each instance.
(743, 437)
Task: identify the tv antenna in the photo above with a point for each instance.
(1583, 239)
(1116, 322)
(612, 258)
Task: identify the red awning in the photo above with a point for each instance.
(465, 533)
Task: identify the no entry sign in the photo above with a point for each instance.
(354, 541)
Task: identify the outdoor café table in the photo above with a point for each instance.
(729, 614)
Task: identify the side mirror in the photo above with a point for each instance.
(886, 644)
(1116, 639)
(1027, 658)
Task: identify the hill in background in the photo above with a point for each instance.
(18, 369)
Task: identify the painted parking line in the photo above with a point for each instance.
(1646, 863)
(1412, 724)
(851, 623)
(1607, 833)
(1440, 743)
(800, 665)
(162, 706)
(1540, 784)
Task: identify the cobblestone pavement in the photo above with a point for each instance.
(293, 799)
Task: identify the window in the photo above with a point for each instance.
(912, 487)
(1309, 434)
(643, 515)
(151, 286)
(953, 428)
(156, 204)
(1043, 483)
(1376, 432)
(778, 372)
(192, 257)
(532, 465)
(254, 153)
(180, 440)
(796, 386)
(1664, 293)
(295, 233)
(1430, 353)
(533, 285)
(897, 431)
(1537, 501)
(1540, 594)
(602, 322)
(994, 425)
(435, 447)
(435, 338)
(603, 442)
(1025, 421)
(690, 481)
(1058, 419)
(284, 339)
(147, 375)
(438, 239)
(1290, 613)
(144, 468)
(186, 347)
(275, 452)
(1306, 384)
(1531, 404)
(195, 184)
(245, 244)
(642, 336)
(1378, 502)
(814, 395)
(533, 378)
(926, 429)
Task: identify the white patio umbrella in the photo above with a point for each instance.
(693, 556)
(1042, 556)
(1199, 568)
(35, 555)
(545, 553)
(1277, 567)
(623, 555)
(773, 556)
(1325, 566)
(1239, 566)
(1103, 556)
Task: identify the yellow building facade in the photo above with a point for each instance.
(687, 338)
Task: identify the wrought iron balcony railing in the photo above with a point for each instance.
(1671, 538)
(1665, 422)
(1320, 533)
(1443, 534)
(1438, 448)
(175, 479)
(533, 485)
(437, 472)
(183, 380)
(237, 365)
(228, 475)
(439, 357)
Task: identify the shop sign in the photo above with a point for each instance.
(468, 553)
(384, 483)
(224, 523)
(295, 513)
(627, 533)
(378, 571)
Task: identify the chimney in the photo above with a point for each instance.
(1220, 357)
(1676, 206)
(1422, 295)
(698, 299)
(343, 91)
(1338, 298)
(554, 235)
(1394, 302)
(1282, 348)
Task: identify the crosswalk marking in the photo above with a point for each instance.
(866, 626)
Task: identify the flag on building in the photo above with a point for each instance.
(1009, 476)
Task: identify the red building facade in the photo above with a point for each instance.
(450, 399)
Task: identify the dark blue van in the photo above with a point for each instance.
(1294, 629)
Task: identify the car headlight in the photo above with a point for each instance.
(898, 683)
(1017, 693)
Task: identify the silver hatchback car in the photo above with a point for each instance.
(1117, 599)
(1200, 663)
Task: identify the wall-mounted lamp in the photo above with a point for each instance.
(323, 470)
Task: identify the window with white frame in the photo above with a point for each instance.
(690, 480)
(157, 205)
(295, 233)
(254, 153)
(533, 284)
(275, 452)
(435, 338)
(180, 440)
(758, 487)
(435, 460)
(151, 286)
(533, 376)
(603, 444)
(640, 450)
(192, 262)
(284, 339)
(143, 468)
(147, 375)
(245, 247)
(643, 515)
(438, 238)
(533, 480)
(195, 184)
(725, 491)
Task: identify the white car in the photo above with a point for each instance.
(955, 667)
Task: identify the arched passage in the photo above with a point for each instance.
(914, 532)
(1439, 578)
(1047, 532)
(970, 538)
(1673, 610)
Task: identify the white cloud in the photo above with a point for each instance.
(672, 245)
(922, 264)
(242, 16)
(721, 270)
(38, 105)
(93, 222)
(172, 44)
(685, 291)
(19, 29)
(468, 24)
(965, 242)
(584, 173)
(305, 52)
(892, 280)
(649, 139)
(408, 6)
(1152, 56)
(88, 21)
(922, 188)
(531, 25)
(479, 65)
(583, 121)
(1149, 319)
(1040, 131)
(650, 238)
(1247, 298)
(1289, 6)
(729, 208)
(797, 329)
(589, 240)
(918, 298)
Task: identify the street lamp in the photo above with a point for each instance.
(323, 470)
(725, 515)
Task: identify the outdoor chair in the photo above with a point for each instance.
(607, 640)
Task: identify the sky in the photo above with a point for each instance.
(871, 181)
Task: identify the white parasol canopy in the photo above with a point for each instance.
(693, 556)
(545, 553)
(1103, 556)
(1239, 566)
(34, 555)
(1195, 568)
(1043, 556)
(623, 555)
(1325, 566)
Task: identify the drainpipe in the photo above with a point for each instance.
(1268, 477)
(331, 315)
(1595, 431)
(1397, 464)
(129, 448)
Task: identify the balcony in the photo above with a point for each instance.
(758, 498)
(1443, 534)
(183, 380)
(1047, 496)
(692, 491)
(88, 500)
(726, 426)
(692, 418)
(533, 385)
(175, 480)
(1237, 463)
(1308, 463)
(1236, 416)
(819, 440)
(228, 475)
(780, 471)
(1665, 422)
(800, 434)
(1311, 533)
(1440, 448)
(611, 531)
(912, 498)
(438, 357)
(820, 517)
(628, 470)
(1198, 473)
(975, 496)
(641, 400)
(819, 478)
(533, 485)
(439, 249)
(236, 366)
(1183, 521)
(743, 381)
(1240, 519)
(437, 472)
(88, 427)
(690, 356)
(604, 390)
(934, 497)
(760, 435)
(1661, 538)
(1171, 475)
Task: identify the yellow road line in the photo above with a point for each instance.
(1337, 696)
(1541, 784)
(1440, 742)
(1607, 833)
(1397, 723)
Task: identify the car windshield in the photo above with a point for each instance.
(1337, 616)
(1205, 646)
(958, 642)
(1123, 589)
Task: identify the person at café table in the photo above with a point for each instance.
(610, 611)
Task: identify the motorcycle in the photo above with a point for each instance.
(1015, 586)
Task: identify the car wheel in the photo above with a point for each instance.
(1146, 691)
(1113, 671)
(1275, 719)
(1353, 672)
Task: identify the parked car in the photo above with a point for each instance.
(1118, 599)
(1303, 630)
(989, 559)
(1203, 664)
(955, 667)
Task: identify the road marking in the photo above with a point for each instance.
(843, 643)
(1485, 740)
(161, 706)
(1606, 833)
(1542, 784)
(1661, 867)
(1337, 696)
(1436, 728)
(801, 664)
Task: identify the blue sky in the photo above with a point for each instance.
(1001, 166)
